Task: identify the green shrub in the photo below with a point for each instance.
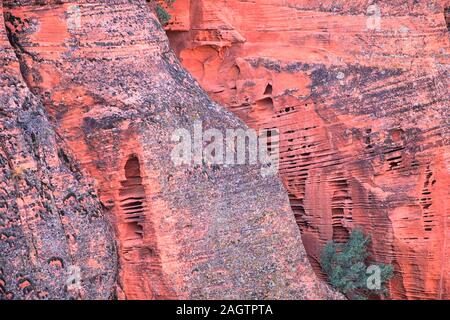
(163, 16)
(346, 266)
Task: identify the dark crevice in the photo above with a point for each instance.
(269, 89)
(341, 210)
(132, 200)
(447, 17)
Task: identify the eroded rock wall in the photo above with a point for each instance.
(360, 93)
(55, 242)
(116, 93)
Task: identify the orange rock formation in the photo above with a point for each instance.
(360, 92)
(55, 242)
(116, 93)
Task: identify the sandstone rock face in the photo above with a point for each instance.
(360, 93)
(55, 242)
(116, 94)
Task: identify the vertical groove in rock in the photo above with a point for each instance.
(137, 233)
(447, 17)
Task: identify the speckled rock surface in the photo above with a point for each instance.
(116, 93)
(360, 93)
(52, 225)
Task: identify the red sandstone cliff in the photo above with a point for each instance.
(52, 225)
(115, 93)
(360, 92)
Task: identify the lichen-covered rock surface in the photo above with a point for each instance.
(360, 93)
(115, 93)
(55, 241)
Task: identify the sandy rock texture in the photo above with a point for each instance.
(115, 93)
(360, 93)
(55, 241)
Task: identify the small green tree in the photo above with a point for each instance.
(163, 16)
(347, 268)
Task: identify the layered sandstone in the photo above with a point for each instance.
(116, 93)
(360, 93)
(55, 242)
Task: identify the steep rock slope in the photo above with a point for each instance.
(55, 242)
(360, 93)
(117, 93)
